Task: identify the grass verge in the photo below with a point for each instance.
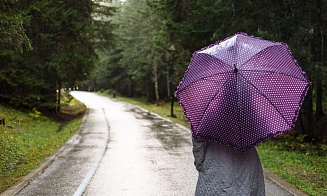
(301, 164)
(29, 137)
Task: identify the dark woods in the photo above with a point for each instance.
(45, 46)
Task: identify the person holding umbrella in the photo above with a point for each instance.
(235, 94)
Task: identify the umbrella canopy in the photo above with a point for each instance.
(242, 90)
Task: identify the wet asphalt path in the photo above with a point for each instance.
(123, 150)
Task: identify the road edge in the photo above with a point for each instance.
(24, 181)
(283, 183)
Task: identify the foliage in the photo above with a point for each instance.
(13, 17)
(35, 113)
(63, 35)
(135, 66)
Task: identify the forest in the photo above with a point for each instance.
(47, 45)
(141, 48)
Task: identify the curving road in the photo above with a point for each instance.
(124, 150)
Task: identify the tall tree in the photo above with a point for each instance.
(139, 45)
(13, 42)
(13, 37)
(63, 50)
(318, 56)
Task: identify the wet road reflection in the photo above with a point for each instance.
(171, 136)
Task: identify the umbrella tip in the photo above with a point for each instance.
(235, 69)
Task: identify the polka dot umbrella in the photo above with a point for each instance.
(242, 90)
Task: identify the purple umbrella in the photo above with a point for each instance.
(242, 90)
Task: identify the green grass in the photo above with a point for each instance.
(26, 140)
(303, 165)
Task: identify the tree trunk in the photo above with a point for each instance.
(319, 60)
(306, 117)
(155, 75)
(168, 84)
(319, 110)
(58, 97)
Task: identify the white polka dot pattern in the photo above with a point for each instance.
(242, 90)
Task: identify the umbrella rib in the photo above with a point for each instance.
(203, 78)
(267, 100)
(213, 97)
(259, 52)
(238, 114)
(272, 72)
